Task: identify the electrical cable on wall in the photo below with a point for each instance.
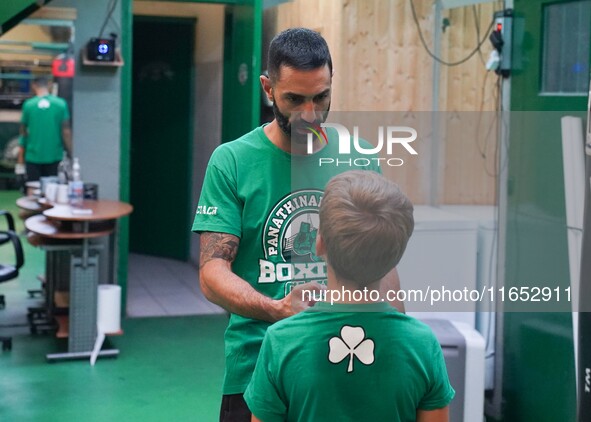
(433, 56)
(110, 9)
(476, 14)
(482, 149)
(101, 49)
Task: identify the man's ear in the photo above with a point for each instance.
(267, 87)
(320, 248)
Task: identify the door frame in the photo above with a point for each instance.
(252, 108)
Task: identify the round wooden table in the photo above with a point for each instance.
(65, 224)
(89, 211)
(43, 226)
(29, 205)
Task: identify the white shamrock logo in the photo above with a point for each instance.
(351, 343)
(43, 103)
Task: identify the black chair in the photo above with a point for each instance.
(10, 222)
(9, 272)
(5, 238)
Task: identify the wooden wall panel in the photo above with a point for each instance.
(470, 99)
(381, 65)
(325, 17)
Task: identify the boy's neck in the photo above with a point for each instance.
(340, 285)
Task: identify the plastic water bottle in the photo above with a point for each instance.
(76, 170)
(76, 185)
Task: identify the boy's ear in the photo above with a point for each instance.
(320, 248)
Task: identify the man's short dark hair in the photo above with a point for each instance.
(298, 48)
(41, 80)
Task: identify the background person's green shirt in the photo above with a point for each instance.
(44, 117)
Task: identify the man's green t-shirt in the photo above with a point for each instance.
(269, 199)
(348, 362)
(44, 116)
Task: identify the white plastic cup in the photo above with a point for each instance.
(62, 194)
(51, 192)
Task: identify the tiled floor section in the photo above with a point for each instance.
(164, 287)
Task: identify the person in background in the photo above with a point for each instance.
(348, 360)
(45, 133)
(258, 211)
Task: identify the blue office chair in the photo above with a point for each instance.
(9, 272)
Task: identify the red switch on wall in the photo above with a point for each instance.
(63, 66)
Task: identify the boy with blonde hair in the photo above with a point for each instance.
(349, 360)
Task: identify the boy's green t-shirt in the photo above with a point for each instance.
(348, 362)
(44, 117)
(269, 199)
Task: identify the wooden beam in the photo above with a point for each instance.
(62, 13)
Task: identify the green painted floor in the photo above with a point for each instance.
(169, 369)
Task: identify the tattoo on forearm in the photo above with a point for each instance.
(218, 245)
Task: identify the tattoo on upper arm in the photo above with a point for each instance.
(218, 245)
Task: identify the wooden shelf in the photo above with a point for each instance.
(62, 13)
(87, 62)
(61, 299)
(63, 322)
(10, 116)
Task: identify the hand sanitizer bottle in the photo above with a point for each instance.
(63, 170)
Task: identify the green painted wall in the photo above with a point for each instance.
(242, 68)
(13, 11)
(125, 144)
(538, 375)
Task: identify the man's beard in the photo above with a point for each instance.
(292, 130)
